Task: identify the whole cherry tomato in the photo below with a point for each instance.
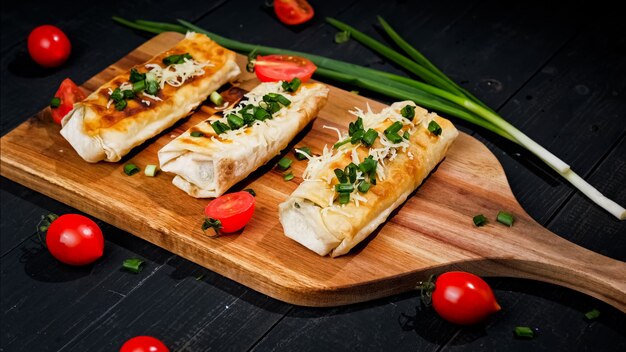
(48, 46)
(463, 298)
(144, 344)
(74, 239)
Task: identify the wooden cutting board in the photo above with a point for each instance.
(432, 232)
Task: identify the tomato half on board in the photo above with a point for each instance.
(292, 12)
(272, 68)
(233, 211)
(68, 93)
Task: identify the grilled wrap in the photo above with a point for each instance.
(208, 163)
(313, 215)
(98, 130)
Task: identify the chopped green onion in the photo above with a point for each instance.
(394, 128)
(342, 37)
(341, 176)
(262, 114)
(369, 137)
(344, 187)
(344, 198)
(139, 86)
(134, 265)
(408, 111)
(55, 102)
(176, 59)
(135, 76)
(291, 86)
(364, 187)
(251, 191)
(592, 314)
(219, 127)
(393, 137)
(480, 220)
(354, 92)
(130, 169)
(128, 94)
(357, 136)
(281, 99)
(284, 163)
(524, 332)
(210, 223)
(273, 107)
(117, 95)
(350, 171)
(300, 153)
(368, 165)
(340, 143)
(355, 126)
(216, 98)
(234, 121)
(120, 105)
(196, 134)
(505, 218)
(152, 87)
(406, 135)
(275, 97)
(434, 128)
(289, 176)
(150, 170)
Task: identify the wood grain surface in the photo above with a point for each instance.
(431, 233)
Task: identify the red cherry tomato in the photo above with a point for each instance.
(69, 93)
(144, 344)
(75, 239)
(48, 46)
(233, 210)
(463, 298)
(272, 68)
(292, 12)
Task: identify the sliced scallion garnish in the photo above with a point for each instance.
(344, 187)
(134, 265)
(152, 87)
(130, 169)
(121, 104)
(505, 218)
(408, 111)
(196, 134)
(344, 198)
(394, 128)
(342, 37)
(524, 332)
(434, 128)
(135, 76)
(364, 187)
(251, 191)
(369, 137)
(216, 98)
(176, 59)
(234, 121)
(480, 220)
(210, 223)
(340, 143)
(592, 314)
(219, 127)
(117, 95)
(128, 94)
(299, 152)
(406, 135)
(150, 170)
(284, 163)
(291, 86)
(288, 176)
(139, 86)
(55, 102)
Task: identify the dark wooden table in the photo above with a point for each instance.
(557, 72)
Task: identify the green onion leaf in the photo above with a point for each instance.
(210, 223)
(434, 128)
(350, 171)
(219, 127)
(480, 220)
(135, 76)
(284, 163)
(55, 102)
(592, 314)
(150, 170)
(394, 128)
(524, 332)
(505, 218)
(342, 37)
(408, 111)
(251, 191)
(357, 136)
(262, 114)
(344, 198)
(341, 176)
(196, 134)
(130, 169)
(216, 98)
(117, 95)
(368, 165)
(364, 187)
(139, 86)
(393, 137)
(152, 87)
(340, 143)
(134, 265)
(369, 137)
(234, 121)
(289, 176)
(176, 59)
(284, 101)
(344, 187)
(291, 86)
(128, 94)
(300, 152)
(406, 135)
(121, 105)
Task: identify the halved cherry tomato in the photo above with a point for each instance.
(74, 239)
(144, 344)
(272, 68)
(292, 12)
(233, 210)
(69, 93)
(463, 298)
(48, 46)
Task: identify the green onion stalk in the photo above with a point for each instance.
(438, 92)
